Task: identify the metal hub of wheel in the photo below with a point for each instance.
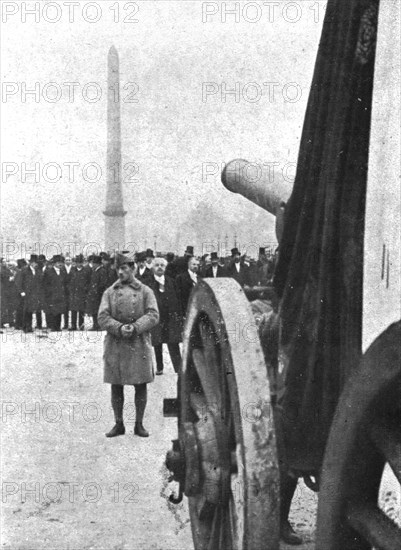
(365, 435)
(228, 455)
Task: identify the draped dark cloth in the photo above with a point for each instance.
(319, 273)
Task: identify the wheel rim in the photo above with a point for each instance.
(225, 398)
(365, 435)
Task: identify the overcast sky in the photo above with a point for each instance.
(173, 133)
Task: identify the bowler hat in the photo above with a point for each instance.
(170, 256)
(262, 250)
(57, 258)
(214, 256)
(149, 253)
(79, 259)
(33, 258)
(235, 252)
(105, 256)
(96, 259)
(42, 258)
(21, 263)
(189, 250)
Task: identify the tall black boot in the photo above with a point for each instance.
(117, 402)
(141, 396)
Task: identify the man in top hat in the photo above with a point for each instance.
(215, 270)
(128, 311)
(143, 272)
(181, 263)
(30, 289)
(185, 283)
(42, 265)
(171, 269)
(97, 286)
(19, 313)
(169, 329)
(68, 268)
(78, 288)
(149, 258)
(55, 292)
(236, 270)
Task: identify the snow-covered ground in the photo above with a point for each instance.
(65, 485)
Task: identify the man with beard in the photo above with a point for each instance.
(185, 283)
(169, 329)
(236, 270)
(214, 269)
(128, 311)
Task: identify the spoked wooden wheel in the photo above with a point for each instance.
(226, 424)
(365, 435)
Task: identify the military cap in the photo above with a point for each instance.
(125, 259)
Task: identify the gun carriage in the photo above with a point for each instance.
(226, 457)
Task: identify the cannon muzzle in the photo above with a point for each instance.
(269, 191)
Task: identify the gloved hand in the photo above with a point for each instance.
(23, 294)
(127, 331)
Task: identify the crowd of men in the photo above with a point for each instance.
(59, 292)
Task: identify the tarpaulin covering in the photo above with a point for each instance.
(319, 272)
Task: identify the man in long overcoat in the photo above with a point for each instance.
(30, 289)
(214, 269)
(97, 286)
(237, 270)
(19, 310)
(169, 329)
(143, 272)
(78, 288)
(128, 311)
(185, 282)
(54, 289)
(108, 266)
(68, 269)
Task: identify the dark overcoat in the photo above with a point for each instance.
(32, 286)
(169, 329)
(128, 360)
(54, 291)
(221, 272)
(145, 275)
(111, 275)
(78, 288)
(241, 276)
(184, 285)
(97, 286)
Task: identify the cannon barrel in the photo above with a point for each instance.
(268, 190)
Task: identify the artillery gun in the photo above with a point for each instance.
(225, 458)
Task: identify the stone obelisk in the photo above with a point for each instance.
(114, 213)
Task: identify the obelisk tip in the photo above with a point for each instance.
(113, 51)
